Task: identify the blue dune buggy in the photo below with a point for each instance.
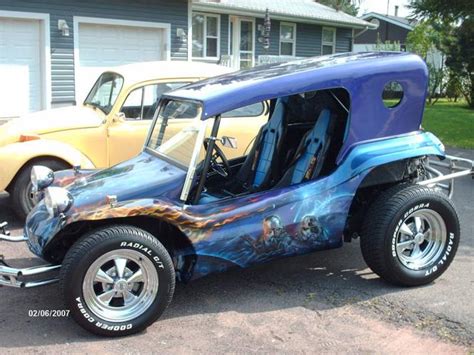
(342, 156)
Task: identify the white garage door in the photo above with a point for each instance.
(20, 66)
(102, 46)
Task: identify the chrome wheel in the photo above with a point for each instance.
(29, 197)
(120, 285)
(421, 239)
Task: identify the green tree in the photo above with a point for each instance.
(458, 42)
(453, 87)
(442, 10)
(426, 41)
(350, 7)
(460, 58)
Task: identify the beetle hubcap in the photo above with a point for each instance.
(421, 239)
(120, 285)
(29, 197)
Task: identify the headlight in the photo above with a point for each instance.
(41, 177)
(57, 200)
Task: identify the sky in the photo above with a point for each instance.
(380, 6)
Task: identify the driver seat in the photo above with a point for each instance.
(260, 167)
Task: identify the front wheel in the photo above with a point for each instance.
(117, 281)
(410, 235)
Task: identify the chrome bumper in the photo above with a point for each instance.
(457, 167)
(14, 277)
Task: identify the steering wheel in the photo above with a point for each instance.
(222, 168)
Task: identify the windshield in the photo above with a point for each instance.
(176, 130)
(105, 91)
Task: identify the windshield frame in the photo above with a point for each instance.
(103, 109)
(194, 162)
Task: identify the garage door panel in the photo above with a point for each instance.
(103, 46)
(20, 66)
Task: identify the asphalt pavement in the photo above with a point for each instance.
(322, 302)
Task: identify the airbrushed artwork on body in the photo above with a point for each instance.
(229, 232)
(246, 231)
(314, 222)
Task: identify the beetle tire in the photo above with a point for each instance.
(20, 198)
(114, 240)
(382, 232)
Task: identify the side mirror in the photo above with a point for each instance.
(229, 142)
(119, 117)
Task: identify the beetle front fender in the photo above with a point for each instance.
(14, 156)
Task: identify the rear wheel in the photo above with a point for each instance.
(117, 281)
(20, 194)
(410, 235)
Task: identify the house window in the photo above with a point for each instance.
(287, 38)
(205, 36)
(328, 41)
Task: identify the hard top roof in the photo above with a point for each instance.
(348, 70)
(363, 75)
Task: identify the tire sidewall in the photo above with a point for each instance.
(74, 297)
(427, 274)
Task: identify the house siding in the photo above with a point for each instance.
(62, 48)
(343, 40)
(386, 32)
(308, 40)
(224, 34)
(274, 39)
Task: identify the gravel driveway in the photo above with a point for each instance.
(323, 302)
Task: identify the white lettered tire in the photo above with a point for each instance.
(117, 280)
(410, 235)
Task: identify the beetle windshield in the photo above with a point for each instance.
(105, 91)
(176, 130)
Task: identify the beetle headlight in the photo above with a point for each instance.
(57, 200)
(41, 177)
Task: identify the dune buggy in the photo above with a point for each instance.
(342, 156)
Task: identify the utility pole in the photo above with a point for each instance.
(388, 6)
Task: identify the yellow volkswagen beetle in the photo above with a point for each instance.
(108, 127)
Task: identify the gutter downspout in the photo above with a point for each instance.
(190, 31)
(361, 32)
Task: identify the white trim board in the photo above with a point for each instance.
(45, 50)
(334, 39)
(190, 31)
(387, 19)
(293, 41)
(107, 21)
(206, 15)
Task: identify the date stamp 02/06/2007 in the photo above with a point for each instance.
(48, 313)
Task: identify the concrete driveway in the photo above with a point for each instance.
(322, 302)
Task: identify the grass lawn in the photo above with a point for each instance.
(451, 122)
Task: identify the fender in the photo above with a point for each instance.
(14, 156)
(370, 154)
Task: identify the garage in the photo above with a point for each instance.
(20, 66)
(101, 46)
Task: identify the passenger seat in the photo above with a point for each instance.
(310, 155)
